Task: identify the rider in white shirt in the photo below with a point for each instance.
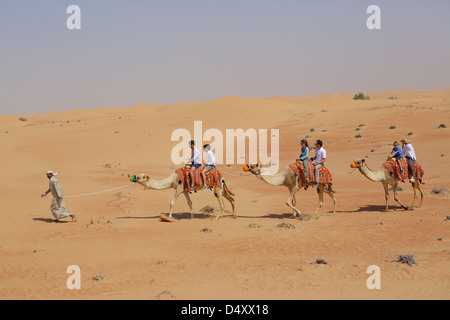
(196, 161)
(210, 163)
(320, 158)
(410, 155)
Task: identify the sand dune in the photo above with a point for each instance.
(120, 238)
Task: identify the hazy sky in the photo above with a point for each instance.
(167, 51)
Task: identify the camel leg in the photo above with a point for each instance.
(417, 187)
(394, 188)
(290, 202)
(231, 199)
(294, 203)
(386, 195)
(331, 194)
(421, 192)
(320, 193)
(218, 195)
(415, 196)
(178, 191)
(188, 199)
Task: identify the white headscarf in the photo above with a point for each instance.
(53, 173)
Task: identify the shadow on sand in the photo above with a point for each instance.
(48, 220)
(177, 216)
(374, 208)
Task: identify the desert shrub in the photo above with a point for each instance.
(23, 119)
(360, 96)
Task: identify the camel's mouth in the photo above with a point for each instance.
(353, 165)
(246, 168)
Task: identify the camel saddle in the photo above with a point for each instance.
(324, 173)
(417, 171)
(212, 177)
(393, 166)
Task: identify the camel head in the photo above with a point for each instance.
(253, 168)
(357, 163)
(141, 179)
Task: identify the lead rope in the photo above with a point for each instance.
(341, 172)
(90, 194)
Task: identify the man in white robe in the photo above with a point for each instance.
(58, 206)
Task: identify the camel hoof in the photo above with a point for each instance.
(165, 218)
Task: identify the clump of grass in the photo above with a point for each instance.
(392, 98)
(97, 278)
(254, 226)
(392, 127)
(358, 136)
(206, 230)
(360, 96)
(207, 209)
(406, 259)
(23, 119)
(285, 225)
(320, 261)
(442, 190)
(441, 126)
(165, 293)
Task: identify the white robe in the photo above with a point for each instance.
(58, 206)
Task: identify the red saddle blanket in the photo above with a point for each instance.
(394, 166)
(212, 177)
(418, 171)
(324, 174)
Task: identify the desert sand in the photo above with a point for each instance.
(125, 251)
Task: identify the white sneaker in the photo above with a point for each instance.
(205, 187)
(411, 180)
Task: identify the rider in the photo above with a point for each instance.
(304, 157)
(320, 158)
(210, 163)
(196, 161)
(397, 154)
(410, 156)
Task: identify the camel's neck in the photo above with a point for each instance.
(377, 176)
(160, 184)
(273, 180)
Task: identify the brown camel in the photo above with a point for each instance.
(288, 179)
(173, 181)
(387, 178)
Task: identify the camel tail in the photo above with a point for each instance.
(226, 188)
(330, 188)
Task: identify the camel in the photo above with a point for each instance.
(288, 179)
(173, 181)
(386, 178)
